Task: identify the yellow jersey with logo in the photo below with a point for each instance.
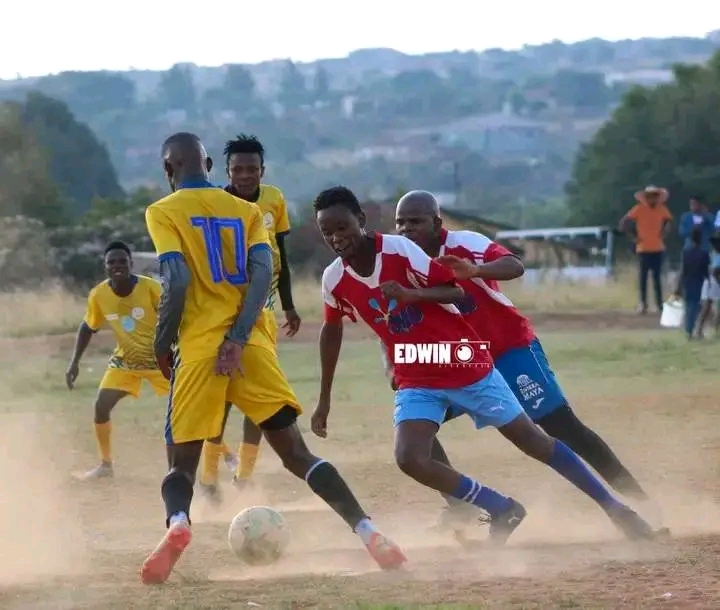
(213, 231)
(277, 222)
(132, 319)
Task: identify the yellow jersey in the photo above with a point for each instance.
(275, 217)
(213, 231)
(131, 318)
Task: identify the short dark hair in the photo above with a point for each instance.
(244, 143)
(698, 198)
(117, 245)
(337, 195)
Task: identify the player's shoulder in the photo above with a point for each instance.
(471, 240)
(271, 194)
(147, 281)
(100, 290)
(332, 274)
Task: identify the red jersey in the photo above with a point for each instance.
(407, 329)
(489, 311)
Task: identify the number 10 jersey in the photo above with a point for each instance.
(214, 232)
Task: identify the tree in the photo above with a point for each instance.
(292, 85)
(668, 136)
(26, 186)
(177, 90)
(79, 164)
(321, 84)
(581, 89)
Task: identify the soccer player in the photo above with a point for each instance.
(216, 269)
(245, 165)
(407, 298)
(129, 304)
(478, 264)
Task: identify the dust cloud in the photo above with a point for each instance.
(40, 532)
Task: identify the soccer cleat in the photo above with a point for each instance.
(632, 525)
(101, 471)
(503, 525)
(387, 554)
(457, 516)
(211, 493)
(231, 461)
(162, 560)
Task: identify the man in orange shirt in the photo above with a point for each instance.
(652, 220)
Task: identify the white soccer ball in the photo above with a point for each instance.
(258, 535)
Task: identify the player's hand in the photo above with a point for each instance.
(292, 323)
(229, 358)
(165, 364)
(393, 383)
(318, 421)
(394, 290)
(463, 270)
(71, 375)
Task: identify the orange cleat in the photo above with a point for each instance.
(162, 560)
(387, 554)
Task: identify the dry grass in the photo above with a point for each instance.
(553, 296)
(55, 310)
(50, 311)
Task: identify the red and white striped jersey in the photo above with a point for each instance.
(398, 325)
(491, 314)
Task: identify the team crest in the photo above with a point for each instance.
(268, 220)
(138, 313)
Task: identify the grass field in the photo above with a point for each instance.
(653, 397)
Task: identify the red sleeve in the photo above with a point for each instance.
(440, 275)
(495, 251)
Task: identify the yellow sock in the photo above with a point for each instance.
(211, 458)
(102, 434)
(247, 456)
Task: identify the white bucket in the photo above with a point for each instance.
(673, 314)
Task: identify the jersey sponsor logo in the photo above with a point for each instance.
(269, 221)
(127, 323)
(530, 391)
(111, 317)
(466, 304)
(398, 319)
(463, 353)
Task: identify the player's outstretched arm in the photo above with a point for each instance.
(503, 269)
(259, 268)
(285, 290)
(387, 367)
(82, 340)
(447, 293)
(330, 343)
(175, 276)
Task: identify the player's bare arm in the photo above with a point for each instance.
(331, 336)
(503, 269)
(175, 276)
(82, 340)
(292, 319)
(260, 269)
(387, 367)
(435, 294)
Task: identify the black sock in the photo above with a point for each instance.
(327, 483)
(177, 493)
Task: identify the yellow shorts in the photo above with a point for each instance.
(196, 408)
(130, 381)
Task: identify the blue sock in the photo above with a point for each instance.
(570, 466)
(486, 498)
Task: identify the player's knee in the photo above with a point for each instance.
(102, 408)
(178, 477)
(411, 460)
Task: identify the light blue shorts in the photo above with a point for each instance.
(488, 402)
(528, 373)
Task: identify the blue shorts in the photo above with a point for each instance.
(488, 402)
(528, 373)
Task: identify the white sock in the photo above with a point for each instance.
(365, 529)
(180, 517)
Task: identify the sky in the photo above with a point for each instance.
(38, 39)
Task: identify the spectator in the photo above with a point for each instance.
(717, 221)
(694, 273)
(698, 216)
(652, 221)
(711, 289)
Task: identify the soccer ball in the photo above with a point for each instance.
(258, 535)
